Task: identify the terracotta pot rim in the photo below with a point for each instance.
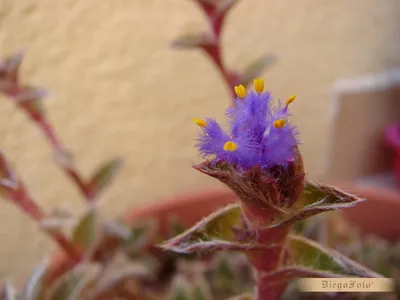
(176, 201)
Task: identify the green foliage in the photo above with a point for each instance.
(116, 261)
(256, 68)
(104, 176)
(85, 233)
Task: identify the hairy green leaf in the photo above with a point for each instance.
(315, 199)
(218, 231)
(307, 253)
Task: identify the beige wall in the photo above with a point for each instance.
(117, 89)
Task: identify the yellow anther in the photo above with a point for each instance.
(259, 85)
(240, 91)
(200, 122)
(290, 99)
(230, 146)
(279, 123)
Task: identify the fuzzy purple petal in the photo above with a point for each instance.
(252, 130)
(212, 139)
(249, 114)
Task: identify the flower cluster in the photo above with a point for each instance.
(260, 133)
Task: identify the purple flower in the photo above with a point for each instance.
(260, 132)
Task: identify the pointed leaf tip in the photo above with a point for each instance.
(104, 176)
(198, 40)
(85, 232)
(223, 7)
(306, 253)
(256, 68)
(318, 198)
(218, 231)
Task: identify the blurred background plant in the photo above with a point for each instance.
(374, 252)
(111, 259)
(29, 100)
(100, 97)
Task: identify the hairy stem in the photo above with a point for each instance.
(266, 260)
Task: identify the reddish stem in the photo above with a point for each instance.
(266, 260)
(21, 197)
(24, 202)
(51, 137)
(214, 51)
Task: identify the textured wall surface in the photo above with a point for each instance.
(117, 89)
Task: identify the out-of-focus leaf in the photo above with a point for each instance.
(32, 98)
(86, 231)
(242, 297)
(190, 40)
(142, 233)
(73, 282)
(180, 289)
(64, 158)
(33, 289)
(208, 2)
(8, 292)
(8, 179)
(117, 229)
(9, 69)
(224, 6)
(256, 68)
(58, 219)
(79, 289)
(175, 226)
(224, 277)
(318, 198)
(61, 211)
(55, 224)
(104, 176)
(218, 231)
(109, 283)
(201, 289)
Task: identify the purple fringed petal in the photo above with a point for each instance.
(249, 115)
(212, 139)
(252, 130)
(245, 156)
(279, 146)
